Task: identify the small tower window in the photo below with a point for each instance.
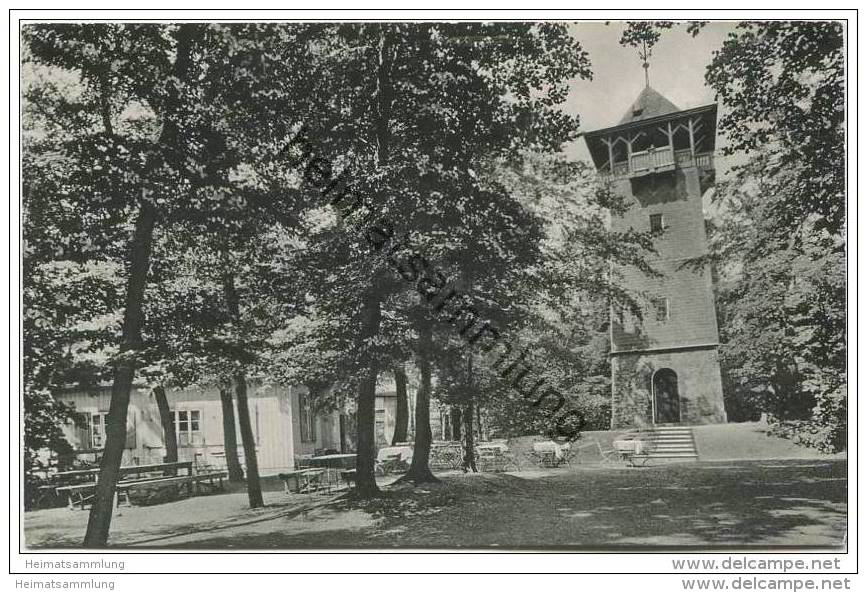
(661, 309)
(657, 223)
(637, 111)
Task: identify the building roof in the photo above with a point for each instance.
(649, 104)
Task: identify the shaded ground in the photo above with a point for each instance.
(744, 503)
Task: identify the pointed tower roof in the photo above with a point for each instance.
(648, 104)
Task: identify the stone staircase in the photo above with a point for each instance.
(670, 442)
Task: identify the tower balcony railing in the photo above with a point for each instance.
(657, 160)
(652, 160)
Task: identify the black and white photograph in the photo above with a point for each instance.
(433, 284)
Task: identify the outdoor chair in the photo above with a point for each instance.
(313, 480)
(486, 461)
(638, 456)
(330, 479)
(542, 458)
(567, 456)
(391, 463)
(548, 459)
(609, 456)
(447, 455)
(495, 460)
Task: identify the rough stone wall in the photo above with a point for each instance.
(698, 381)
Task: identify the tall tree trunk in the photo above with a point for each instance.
(384, 96)
(254, 486)
(412, 418)
(230, 439)
(99, 521)
(365, 452)
(371, 313)
(419, 470)
(456, 422)
(470, 444)
(469, 440)
(167, 420)
(402, 415)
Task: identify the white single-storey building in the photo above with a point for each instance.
(283, 423)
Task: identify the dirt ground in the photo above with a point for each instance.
(751, 503)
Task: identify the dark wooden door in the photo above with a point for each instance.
(665, 397)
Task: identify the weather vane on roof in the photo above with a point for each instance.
(644, 53)
(643, 35)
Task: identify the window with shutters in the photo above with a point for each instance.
(79, 427)
(97, 429)
(661, 309)
(657, 223)
(188, 426)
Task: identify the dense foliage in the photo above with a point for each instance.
(320, 204)
(193, 165)
(780, 235)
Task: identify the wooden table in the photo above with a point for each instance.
(558, 449)
(81, 494)
(69, 484)
(126, 470)
(337, 461)
(403, 452)
(551, 453)
(631, 450)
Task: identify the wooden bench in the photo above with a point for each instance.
(82, 494)
(46, 491)
(306, 480)
(219, 476)
(126, 470)
(214, 480)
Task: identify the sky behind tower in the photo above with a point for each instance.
(677, 69)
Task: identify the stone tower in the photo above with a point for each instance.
(664, 367)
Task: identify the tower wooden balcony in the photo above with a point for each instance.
(657, 160)
(654, 136)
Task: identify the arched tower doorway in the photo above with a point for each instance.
(666, 400)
